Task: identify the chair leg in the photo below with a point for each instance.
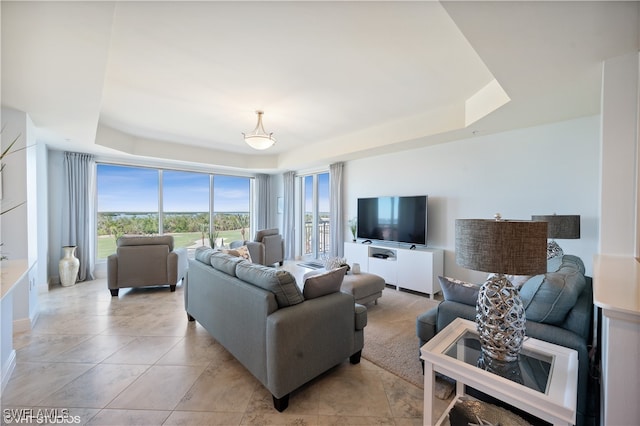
(114, 291)
(173, 288)
(281, 404)
(355, 358)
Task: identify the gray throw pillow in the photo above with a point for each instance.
(279, 282)
(328, 282)
(548, 298)
(459, 291)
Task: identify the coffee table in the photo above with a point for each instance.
(543, 382)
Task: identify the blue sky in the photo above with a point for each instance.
(135, 189)
(323, 193)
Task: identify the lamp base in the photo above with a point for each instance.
(500, 319)
(553, 249)
(507, 369)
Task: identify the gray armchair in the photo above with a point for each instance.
(266, 249)
(145, 261)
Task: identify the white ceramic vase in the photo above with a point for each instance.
(68, 266)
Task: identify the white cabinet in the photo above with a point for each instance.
(413, 269)
(419, 270)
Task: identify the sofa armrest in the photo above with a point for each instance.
(182, 264)
(112, 271)
(307, 339)
(568, 339)
(361, 316)
(426, 325)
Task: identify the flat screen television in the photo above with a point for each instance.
(396, 219)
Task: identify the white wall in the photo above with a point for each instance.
(55, 184)
(540, 170)
(619, 196)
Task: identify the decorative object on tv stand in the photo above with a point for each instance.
(68, 266)
(258, 138)
(501, 247)
(562, 227)
(353, 226)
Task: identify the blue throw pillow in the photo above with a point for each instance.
(548, 298)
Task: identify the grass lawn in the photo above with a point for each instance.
(107, 244)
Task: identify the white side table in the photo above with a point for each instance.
(547, 376)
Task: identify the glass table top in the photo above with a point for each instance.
(532, 369)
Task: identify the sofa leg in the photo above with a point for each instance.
(172, 287)
(114, 291)
(281, 262)
(190, 318)
(281, 404)
(355, 358)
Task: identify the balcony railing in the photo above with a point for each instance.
(324, 237)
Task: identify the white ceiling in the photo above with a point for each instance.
(337, 80)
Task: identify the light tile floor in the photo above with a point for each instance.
(135, 359)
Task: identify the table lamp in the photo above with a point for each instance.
(501, 247)
(563, 227)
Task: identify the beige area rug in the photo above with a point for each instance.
(390, 339)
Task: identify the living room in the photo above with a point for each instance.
(564, 162)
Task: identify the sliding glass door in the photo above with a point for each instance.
(316, 234)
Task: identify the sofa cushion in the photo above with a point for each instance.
(323, 283)
(224, 262)
(279, 282)
(548, 298)
(242, 251)
(203, 254)
(459, 291)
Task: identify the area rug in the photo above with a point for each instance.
(390, 339)
(311, 265)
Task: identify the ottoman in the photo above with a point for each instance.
(364, 287)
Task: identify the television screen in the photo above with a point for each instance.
(398, 219)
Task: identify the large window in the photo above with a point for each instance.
(231, 208)
(127, 204)
(185, 207)
(316, 236)
(196, 208)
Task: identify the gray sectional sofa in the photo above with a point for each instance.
(559, 309)
(259, 314)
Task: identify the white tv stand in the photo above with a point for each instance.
(416, 269)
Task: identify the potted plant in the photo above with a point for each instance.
(213, 236)
(353, 226)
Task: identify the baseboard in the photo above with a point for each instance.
(7, 369)
(25, 324)
(21, 325)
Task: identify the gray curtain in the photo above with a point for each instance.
(262, 201)
(78, 210)
(288, 220)
(336, 215)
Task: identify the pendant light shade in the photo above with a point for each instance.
(258, 138)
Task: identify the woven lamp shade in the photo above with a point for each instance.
(562, 227)
(502, 246)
